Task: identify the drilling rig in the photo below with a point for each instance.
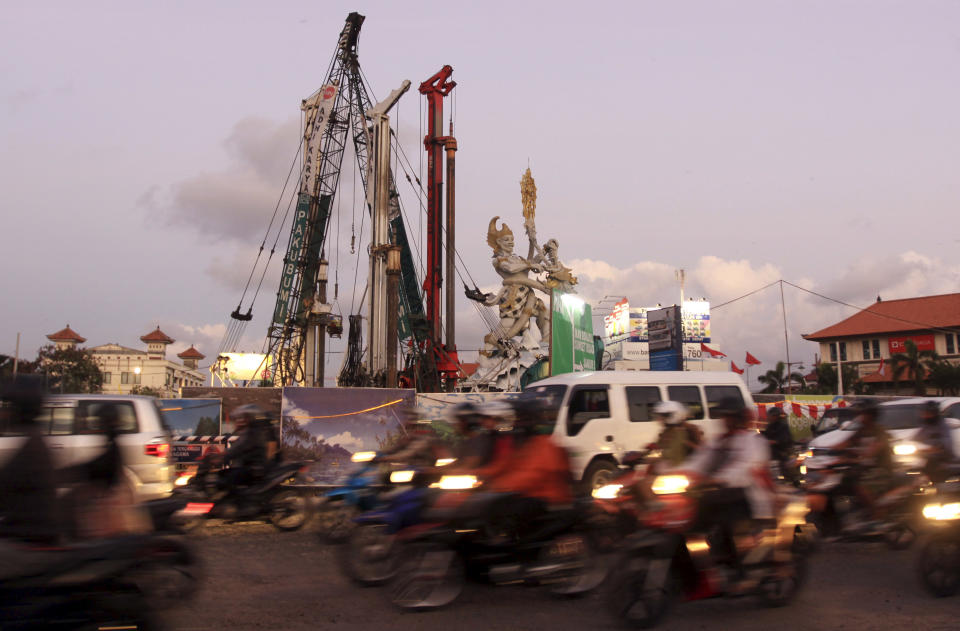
(341, 111)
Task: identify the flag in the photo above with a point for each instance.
(734, 368)
(881, 370)
(713, 353)
(751, 360)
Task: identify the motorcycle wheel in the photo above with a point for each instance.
(335, 521)
(288, 510)
(370, 555)
(782, 585)
(900, 536)
(586, 570)
(939, 565)
(428, 576)
(169, 574)
(632, 601)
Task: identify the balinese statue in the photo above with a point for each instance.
(517, 299)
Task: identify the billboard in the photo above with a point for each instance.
(192, 417)
(243, 366)
(695, 317)
(618, 322)
(571, 326)
(923, 342)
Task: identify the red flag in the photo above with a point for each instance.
(880, 369)
(734, 368)
(713, 353)
(751, 360)
(797, 410)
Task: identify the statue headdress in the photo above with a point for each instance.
(493, 234)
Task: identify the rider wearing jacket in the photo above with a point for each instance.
(935, 435)
(777, 433)
(678, 438)
(247, 457)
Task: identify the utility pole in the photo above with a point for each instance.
(393, 312)
(839, 370)
(786, 340)
(16, 355)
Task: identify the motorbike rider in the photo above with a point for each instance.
(777, 432)
(28, 494)
(935, 435)
(678, 438)
(480, 443)
(735, 465)
(247, 457)
(872, 448)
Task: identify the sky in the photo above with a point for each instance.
(144, 147)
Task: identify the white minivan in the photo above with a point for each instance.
(605, 414)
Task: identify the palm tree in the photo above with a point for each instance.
(776, 380)
(912, 362)
(827, 379)
(943, 376)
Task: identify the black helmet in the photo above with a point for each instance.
(774, 413)
(931, 411)
(24, 396)
(865, 407)
(466, 415)
(530, 411)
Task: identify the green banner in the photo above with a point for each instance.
(571, 325)
(297, 234)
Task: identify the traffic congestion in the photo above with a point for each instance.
(732, 508)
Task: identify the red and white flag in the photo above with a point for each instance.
(734, 368)
(882, 369)
(751, 360)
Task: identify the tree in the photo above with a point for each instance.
(69, 370)
(827, 380)
(943, 376)
(912, 362)
(777, 380)
(207, 426)
(24, 367)
(148, 391)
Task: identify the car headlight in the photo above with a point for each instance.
(942, 512)
(456, 482)
(442, 462)
(803, 455)
(401, 477)
(363, 456)
(183, 480)
(668, 484)
(607, 491)
(904, 449)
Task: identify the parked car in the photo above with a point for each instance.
(74, 434)
(603, 415)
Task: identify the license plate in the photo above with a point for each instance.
(567, 546)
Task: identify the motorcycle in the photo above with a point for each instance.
(835, 510)
(938, 564)
(481, 536)
(617, 506)
(357, 494)
(112, 583)
(669, 557)
(271, 499)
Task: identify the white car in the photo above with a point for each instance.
(74, 435)
(901, 419)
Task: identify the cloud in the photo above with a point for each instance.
(345, 440)
(237, 202)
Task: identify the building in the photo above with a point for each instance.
(882, 330)
(125, 369)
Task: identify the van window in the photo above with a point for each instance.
(61, 420)
(586, 404)
(953, 411)
(639, 401)
(690, 397)
(715, 394)
(89, 418)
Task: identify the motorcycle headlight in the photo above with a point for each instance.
(904, 449)
(363, 456)
(183, 480)
(607, 491)
(803, 455)
(669, 484)
(442, 462)
(456, 482)
(401, 477)
(942, 512)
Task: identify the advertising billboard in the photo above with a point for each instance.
(923, 342)
(244, 366)
(695, 317)
(618, 322)
(571, 344)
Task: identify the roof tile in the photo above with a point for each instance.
(896, 316)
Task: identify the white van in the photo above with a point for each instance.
(608, 413)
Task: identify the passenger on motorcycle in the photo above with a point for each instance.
(678, 438)
(935, 435)
(736, 470)
(482, 448)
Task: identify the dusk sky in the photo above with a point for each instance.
(144, 148)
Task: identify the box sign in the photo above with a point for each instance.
(695, 316)
(571, 332)
(664, 327)
(923, 342)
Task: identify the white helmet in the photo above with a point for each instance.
(670, 412)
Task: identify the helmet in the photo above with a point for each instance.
(530, 412)
(670, 412)
(865, 407)
(466, 415)
(246, 413)
(930, 411)
(500, 411)
(774, 413)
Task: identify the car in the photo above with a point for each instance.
(71, 425)
(603, 415)
(901, 419)
(832, 419)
